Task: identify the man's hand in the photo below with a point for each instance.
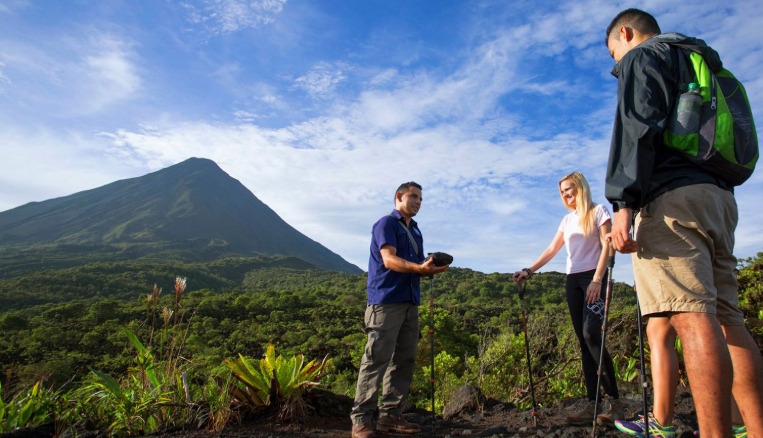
(397, 264)
(620, 235)
(428, 268)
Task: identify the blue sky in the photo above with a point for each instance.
(321, 108)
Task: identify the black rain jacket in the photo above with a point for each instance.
(640, 167)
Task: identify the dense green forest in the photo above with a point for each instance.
(60, 326)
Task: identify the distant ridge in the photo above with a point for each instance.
(192, 211)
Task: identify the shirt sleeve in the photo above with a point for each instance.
(602, 215)
(643, 96)
(384, 232)
(562, 224)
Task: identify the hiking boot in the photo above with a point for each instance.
(583, 416)
(613, 413)
(363, 430)
(396, 423)
(740, 431)
(636, 428)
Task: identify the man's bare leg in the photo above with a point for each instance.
(748, 377)
(664, 362)
(736, 416)
(709, 367)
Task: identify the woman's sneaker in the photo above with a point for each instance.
(637, 428)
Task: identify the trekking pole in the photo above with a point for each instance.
(521, 288)
(644, 383)
(431, 346)
(607, 297)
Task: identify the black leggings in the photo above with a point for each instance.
(587, 322)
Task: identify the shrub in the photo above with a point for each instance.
(277, 381)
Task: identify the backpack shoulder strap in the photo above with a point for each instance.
(410, 236)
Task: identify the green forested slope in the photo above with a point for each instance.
(58, 324)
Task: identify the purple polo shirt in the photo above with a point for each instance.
(386, 286)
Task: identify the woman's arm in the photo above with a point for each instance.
(545, 257)
(593, 292)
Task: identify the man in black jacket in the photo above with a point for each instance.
(684, 230)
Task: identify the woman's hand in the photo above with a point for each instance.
(520, 276)
(593, 293)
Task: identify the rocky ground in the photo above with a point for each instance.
(468, 415)
(331, 420)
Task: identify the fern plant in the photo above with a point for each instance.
(277, 381)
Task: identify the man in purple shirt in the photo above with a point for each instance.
(395, 267)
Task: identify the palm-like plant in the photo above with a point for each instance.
(277, 381)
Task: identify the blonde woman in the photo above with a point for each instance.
(583, 231)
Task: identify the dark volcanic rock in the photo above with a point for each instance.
(328, 404)
(465, 399)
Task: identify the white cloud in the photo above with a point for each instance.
(40, 163)
(111, 74)
(384, 78)
(94, 72)
(268, 98)
(321, 80)
(245, 116)
(9, 6)
(3, 78)
(228, 16)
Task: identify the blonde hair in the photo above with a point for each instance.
(584, 206)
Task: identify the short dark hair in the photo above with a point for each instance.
(637, 19)
(404, 187)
